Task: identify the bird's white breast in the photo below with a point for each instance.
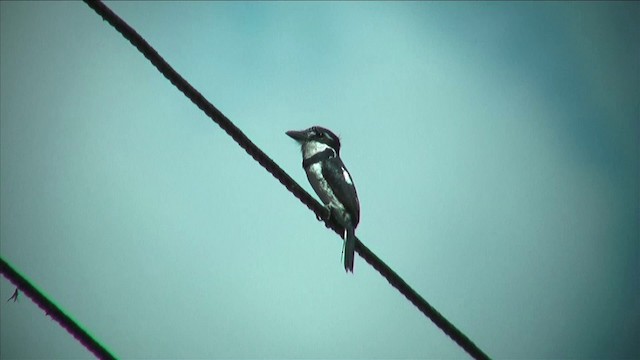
(313, 147)
(326, 194)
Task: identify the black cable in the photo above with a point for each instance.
(54, 311)
(212, 112)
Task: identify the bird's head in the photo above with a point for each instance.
(315, 139)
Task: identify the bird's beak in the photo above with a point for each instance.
(299, 136)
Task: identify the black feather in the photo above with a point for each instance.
(332, 171)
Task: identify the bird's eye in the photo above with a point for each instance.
(320, 134)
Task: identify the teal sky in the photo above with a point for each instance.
(494, 146)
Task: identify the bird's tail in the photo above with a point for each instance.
(349, 249)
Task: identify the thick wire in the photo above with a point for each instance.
(54, 311)
(219, 118)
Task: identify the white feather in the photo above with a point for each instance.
(347, 178)
(313, 147)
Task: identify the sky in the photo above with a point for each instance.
(494, 146)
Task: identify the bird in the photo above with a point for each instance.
(331, 181)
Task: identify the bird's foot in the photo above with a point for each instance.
(325, 216)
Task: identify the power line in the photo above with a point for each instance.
(54, 311)
(219, 118)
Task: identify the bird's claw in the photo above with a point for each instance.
(324, 217)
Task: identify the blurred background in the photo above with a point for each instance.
(494, 146)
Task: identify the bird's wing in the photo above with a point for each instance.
(340, 181)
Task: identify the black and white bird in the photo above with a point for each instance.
(331, 181)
